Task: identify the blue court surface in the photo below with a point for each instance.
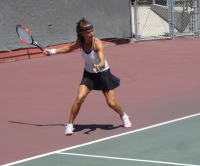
(175, 142)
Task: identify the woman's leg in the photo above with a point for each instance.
(110, 98)
(83, 91)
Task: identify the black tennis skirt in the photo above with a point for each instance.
(103, 81)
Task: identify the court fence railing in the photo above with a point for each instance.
(164, 19)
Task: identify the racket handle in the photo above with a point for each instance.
(39, 47)
(48, 54)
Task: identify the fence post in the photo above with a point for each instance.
(132, 23)
(171, 18)
(195, 20)
(136, 20)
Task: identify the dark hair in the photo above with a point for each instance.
(80, 25)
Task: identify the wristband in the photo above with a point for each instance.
(53, 51)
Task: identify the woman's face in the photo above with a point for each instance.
(88, 34)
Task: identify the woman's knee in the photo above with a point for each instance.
(80, 99)
(83, 91)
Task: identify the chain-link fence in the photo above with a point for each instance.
(165, 19)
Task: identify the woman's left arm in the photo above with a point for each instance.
(100, 52)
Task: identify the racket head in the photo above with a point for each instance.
(24, 34)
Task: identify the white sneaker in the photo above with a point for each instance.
(69, 129)
(126, 121)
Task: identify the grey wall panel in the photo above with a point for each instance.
(111, 18)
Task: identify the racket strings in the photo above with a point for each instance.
(24, 35)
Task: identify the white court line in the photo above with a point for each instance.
(127, 159)
(99, 140)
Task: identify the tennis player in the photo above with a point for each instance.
(96, 75)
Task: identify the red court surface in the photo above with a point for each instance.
(160, 81)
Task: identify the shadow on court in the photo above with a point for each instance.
(93, 127)
(78, 127)
(32, 124)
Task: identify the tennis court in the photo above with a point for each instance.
(160, 91)
(162, 144)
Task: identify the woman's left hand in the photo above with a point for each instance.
(95, 67)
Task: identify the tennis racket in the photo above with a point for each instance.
(26, 37)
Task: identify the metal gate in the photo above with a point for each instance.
(164, 19)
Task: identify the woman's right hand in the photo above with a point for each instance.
(47, 52)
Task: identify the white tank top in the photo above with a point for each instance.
(92, 56)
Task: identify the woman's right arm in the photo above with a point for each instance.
(73, 46)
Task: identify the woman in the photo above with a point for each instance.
(96, 76)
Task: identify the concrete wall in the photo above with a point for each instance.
(182, 18)
(111, 19)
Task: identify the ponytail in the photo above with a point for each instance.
(81, 26)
